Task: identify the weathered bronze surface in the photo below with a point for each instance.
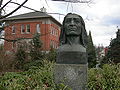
(73, 30)
(73, 41)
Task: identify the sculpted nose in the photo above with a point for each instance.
(72, 22)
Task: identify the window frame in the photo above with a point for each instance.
(22, 28)
(28, 25)
(38, 31)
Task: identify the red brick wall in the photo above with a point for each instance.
(45, 29)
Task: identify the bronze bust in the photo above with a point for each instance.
(73, 41)
(73, 30)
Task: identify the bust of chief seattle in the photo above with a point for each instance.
(73, 40)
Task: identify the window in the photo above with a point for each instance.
(22, 29)
(51, 31)
(13, 29)
(28, 28)
(38, 28)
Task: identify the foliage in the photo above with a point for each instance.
(41, 78)
(62, 86)
(6, 61)
(35, 51)
(107, 78)
(91, 52)
(51, 55)
(36, 42)
(29, 64)
(36, 78)
(20, 57)
(113, 54)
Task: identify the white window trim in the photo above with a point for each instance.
(38, 31)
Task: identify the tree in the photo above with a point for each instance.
(2, 8)
(113, 54)
(51, 56)
(36, 44)
(91, 52)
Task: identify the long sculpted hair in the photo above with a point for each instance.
(83, 36)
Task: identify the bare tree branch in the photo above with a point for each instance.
(5, 5)
(14, 10)
(1, 2)
(0, 6)
(24, 6)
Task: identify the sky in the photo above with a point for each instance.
(101, 16)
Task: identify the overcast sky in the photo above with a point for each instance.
(101, 16)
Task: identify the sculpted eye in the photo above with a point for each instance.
(77, 20)
(68, 20)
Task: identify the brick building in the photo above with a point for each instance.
(26, 25)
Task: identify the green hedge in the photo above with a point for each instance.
(36, 78)
(41, 78)
(107, 78)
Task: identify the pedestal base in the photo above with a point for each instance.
(73, 75)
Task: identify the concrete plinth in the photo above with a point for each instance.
(73, 75)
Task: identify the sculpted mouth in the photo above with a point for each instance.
(72, 29)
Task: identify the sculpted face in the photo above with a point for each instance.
(72, 25)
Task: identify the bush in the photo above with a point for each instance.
(39, 76)
(107, 78)
(6, 61)
(36, 78)
(20, 57)
(51, 56)
(28, 65)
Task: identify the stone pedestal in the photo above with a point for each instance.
(73, 75)
(71, 67)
